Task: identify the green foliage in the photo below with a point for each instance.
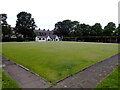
(109, 29)
(78, 31)
(96, 30)
(63, 28)
(56, 60)
(6, 28)
(20, 39)
(75, 29)
(25, 25)
(117, 31)
(104, 39)
(86, 29)
(5, 39)
(71, 28)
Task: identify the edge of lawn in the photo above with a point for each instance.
(59, 79)
(22, 66)
(112, 80)
(7, 82)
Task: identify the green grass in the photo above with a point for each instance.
(56, 60)
(111, 81)
(7, 82)
(0, 78)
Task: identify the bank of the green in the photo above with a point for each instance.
(7, 82)
(112, 80)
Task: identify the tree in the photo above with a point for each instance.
(96, 30)
(109, 29)
(76, 29)
(71, 28)
(63, 28)
(117, 31)
(67, 27)
(58, 30)
(25, 25)
(6, 28)
(86, 29)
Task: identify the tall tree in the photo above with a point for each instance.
(73, 27)
(109, 29)
(96, 30)
(117, 31)
(76, 29)
(63, 28)
(86, 29)
(6, 28)
(67, 26)
(25, 24)
(58, 30)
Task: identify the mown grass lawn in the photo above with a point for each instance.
(56, 60)
(112, 80)
(0, 78)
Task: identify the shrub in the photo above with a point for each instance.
(5, 39)
(20, 39)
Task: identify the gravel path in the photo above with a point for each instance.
(23, 77)
(86, 78)
(91, 76)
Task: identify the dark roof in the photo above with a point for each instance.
(46, 34)
(42, 31)
(41, 36)
(51, 36)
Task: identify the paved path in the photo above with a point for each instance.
(91, 76)
(22, 77)
(86, 78)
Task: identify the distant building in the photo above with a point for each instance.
(46, 35)
(42, 35)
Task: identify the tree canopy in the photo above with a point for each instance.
(109, 29)
(25, 24)
(76, 29)
(96, 30)
(6, 28)
(117, 31)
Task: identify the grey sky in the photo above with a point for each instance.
(47, 12)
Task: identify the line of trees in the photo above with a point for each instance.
(25, 26)
(24, 29)
(68, 28)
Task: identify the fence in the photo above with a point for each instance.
(104, 39)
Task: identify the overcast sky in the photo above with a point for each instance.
(47, 12)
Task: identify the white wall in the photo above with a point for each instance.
(48, 38)
(37, 39)
(57, 38)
